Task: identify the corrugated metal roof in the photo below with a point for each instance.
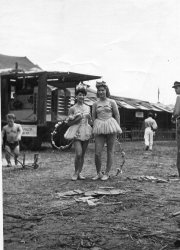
(140, 104)
(149, 106)
(163, 107)
(124, 105)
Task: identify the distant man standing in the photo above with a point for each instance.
(176, 118)
(150, 127)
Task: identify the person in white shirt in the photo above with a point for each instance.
(150, 127)
(176, 119)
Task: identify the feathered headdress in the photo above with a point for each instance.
(101, 84)
(81, 88)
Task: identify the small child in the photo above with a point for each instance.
(13, 133)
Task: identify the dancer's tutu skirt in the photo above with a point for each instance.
(109, 126)
(81, 132)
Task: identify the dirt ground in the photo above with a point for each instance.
(140, 214)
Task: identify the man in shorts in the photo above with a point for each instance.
(12, 133)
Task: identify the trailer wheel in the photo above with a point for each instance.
(28, 143)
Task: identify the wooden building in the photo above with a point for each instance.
(133, 112)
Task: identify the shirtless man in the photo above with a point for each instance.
(13, 133)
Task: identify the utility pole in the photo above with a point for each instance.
(158, 94)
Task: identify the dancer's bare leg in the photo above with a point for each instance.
(111, 139)
(84, 148)
(99, 145)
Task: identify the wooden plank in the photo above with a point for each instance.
(54, 104)
(42, 99)
(4, 97)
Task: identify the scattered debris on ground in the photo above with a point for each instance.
(138, 209)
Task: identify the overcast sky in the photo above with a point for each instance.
(133, 44)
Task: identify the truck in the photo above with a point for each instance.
(39, 99)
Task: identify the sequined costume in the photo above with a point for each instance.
(81, 131)
(105, 123)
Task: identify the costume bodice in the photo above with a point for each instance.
(84, 110)
(104, 109)
(80, 131)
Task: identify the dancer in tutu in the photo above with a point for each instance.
(106, 125)
(80, 130)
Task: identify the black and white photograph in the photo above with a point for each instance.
(90, 124)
